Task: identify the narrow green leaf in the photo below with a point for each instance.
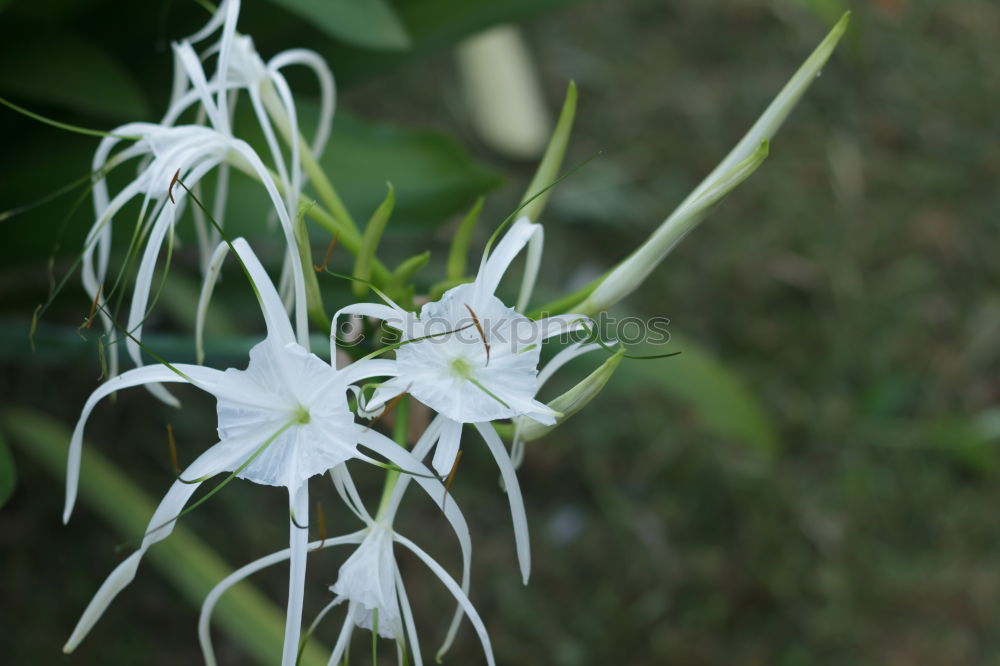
(458, 253)
(250, 619)
(370, 240)
(406, 270)
(371, 24)
(548, 168)
(314, 299)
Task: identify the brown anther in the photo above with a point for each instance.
(451, 477)
(482, 334)
(326, 255)
(172, 448)
(320, 524)
(170, 188)
(93, 307)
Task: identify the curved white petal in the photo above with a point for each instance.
(513, 488)
(277, 322)
(203, 378)
(532, 262)
(208, 606)
(327, 88)
(207, 287)
(298, 549)
(411, 627)
(493, 268)
(209, 463)
(456, 592)
(447, 447)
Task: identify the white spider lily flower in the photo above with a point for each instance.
(190, 151)
(281, 421)
(474, 360)
(369, 581)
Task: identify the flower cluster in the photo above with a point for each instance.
(290, 416)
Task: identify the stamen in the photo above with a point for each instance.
(451, 477)
(321, 524)
(329, 251)
(170, 188)
(172, 448)
(89, 319)
(482, 334)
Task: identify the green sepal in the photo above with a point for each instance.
(369, 242)
(548, 168)
(459, 250)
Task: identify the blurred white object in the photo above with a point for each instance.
(503, 93)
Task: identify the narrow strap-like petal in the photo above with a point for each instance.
(277, 322)
(493, 268)
(559, 325)
(209, 463)
(375, 367)
(411, 626)
(532, 262)
(244, 572)
(346, 631)
(456, 592)
(203, 378)
(510, 482)
(327, 87)
(447, 446)
(298, 547)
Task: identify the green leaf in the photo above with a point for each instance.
(368, 23)
(369, 243)
(458, 253)
(548, 168)
(433, 175)
(70, 71)
(8, 473)
(718, 397)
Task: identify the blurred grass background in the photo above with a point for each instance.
(847, 292)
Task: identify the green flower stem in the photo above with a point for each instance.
(399, 430)
(324, 188)
(248, 617)
(347, 237)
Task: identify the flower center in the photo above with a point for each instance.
(300, 415)
(462, 368)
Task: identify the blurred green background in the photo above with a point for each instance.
(811, 482)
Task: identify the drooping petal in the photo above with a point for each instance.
(210, 463)
(203, 378)
(456, 592)
(411, 627)
(298, 549)
(513, 488)
(447, 447)
(208, 605)
(207, 287)
(327, 88)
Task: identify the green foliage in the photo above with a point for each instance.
(367, 23)
(718, 397)
(369, 243)
(433, 176)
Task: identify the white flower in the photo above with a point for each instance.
(281, 421)
(475, 360)
(193, 151)
(369, 581)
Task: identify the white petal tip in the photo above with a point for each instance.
(438, 658)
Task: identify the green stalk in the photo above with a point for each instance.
(248, 617)
(324, 188)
